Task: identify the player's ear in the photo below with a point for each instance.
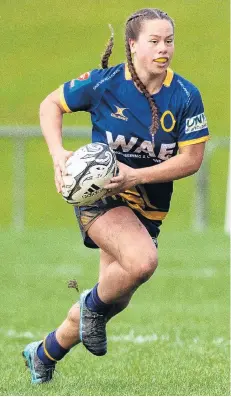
(132, 45)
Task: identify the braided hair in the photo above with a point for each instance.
(133, 28)
(108, 51)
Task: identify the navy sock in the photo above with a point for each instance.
(50, 350)
(94, 303)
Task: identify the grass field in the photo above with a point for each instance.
(47, 42)
(172, 340)
(174, 337)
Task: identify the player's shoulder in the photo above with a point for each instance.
(185, 88)
(102, 77)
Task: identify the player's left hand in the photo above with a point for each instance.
(125, 180)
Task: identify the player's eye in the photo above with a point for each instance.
(153, 41)
(169, 41)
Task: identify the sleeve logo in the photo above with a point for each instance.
(84, 76)
(196, 123)
(82, 80)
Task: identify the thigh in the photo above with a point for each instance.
(87, 215)
(121, 234)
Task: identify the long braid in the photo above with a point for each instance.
(108, 51)
(133, 28)
(155, 121)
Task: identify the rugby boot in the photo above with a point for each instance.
(40, 373)
(92, 328)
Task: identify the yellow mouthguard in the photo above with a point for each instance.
(161, 60)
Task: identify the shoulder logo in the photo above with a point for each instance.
(119, 114)
(84, 76)
(83, 79)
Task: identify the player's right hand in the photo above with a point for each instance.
(59, 159)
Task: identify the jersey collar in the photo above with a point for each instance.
(167, 80)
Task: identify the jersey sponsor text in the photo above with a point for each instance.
(145, 147)
(196, 123)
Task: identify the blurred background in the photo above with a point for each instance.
(48, 42)
(177, 325)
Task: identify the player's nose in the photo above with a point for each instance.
(162, 48)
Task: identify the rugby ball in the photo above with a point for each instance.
(88, 170)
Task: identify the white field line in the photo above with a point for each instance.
(195, 273)
(73, 269)
(131, 337)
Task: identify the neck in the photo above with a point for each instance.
(153, 82)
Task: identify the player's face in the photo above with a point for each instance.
(154, 47)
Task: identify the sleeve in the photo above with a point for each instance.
(77, 94)
(193, 126)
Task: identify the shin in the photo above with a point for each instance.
(68, 332)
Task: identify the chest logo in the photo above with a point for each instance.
(167, 121)
(119, 114)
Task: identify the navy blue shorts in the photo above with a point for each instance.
(86, 216)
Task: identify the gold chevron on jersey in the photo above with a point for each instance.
(140, 202)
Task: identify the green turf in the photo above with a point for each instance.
(47, 42)
(172, 340)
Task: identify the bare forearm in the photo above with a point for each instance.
(51, 124)
(177, 167)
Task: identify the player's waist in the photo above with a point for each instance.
(135, 202)
(143, 205)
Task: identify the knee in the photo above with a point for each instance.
(144, 267)
(147, 269)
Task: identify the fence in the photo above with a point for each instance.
(20, 134)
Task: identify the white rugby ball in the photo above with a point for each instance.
(88, 170)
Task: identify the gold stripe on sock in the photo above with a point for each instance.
(46, 352)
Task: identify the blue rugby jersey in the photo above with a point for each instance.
(121, 117)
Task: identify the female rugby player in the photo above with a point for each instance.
(154, 121)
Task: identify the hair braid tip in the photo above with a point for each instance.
(111, 30)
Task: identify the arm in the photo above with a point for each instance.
(51, 116)
(72, 96)
(192, 133)
(186, 163)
